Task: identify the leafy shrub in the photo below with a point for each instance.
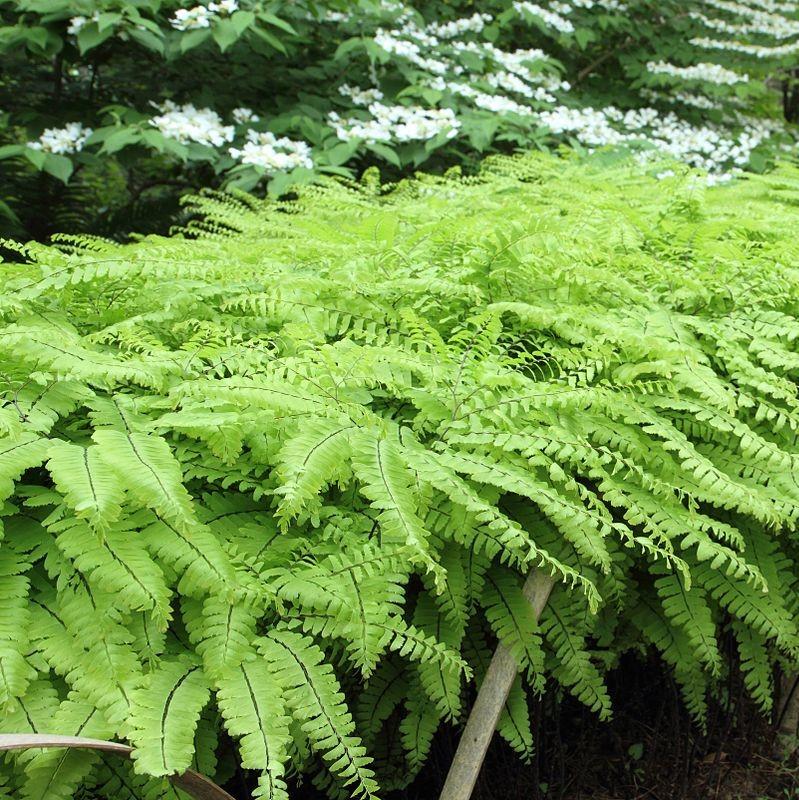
(299, 459)
(249, 91)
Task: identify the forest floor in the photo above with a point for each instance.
(650, 750)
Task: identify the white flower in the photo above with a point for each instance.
(508, 82)
(336, 16)
(457, 27)
(191, 19)
(723, 177)
(244, 115)
(757, 50)
(397, 123)
(608, 5)
(398, 47)
(500, 104)
(272, 153)
(69, 139)
(711, 73)
(226, 7)
(75, 24)
(709, 148)
(189, 124)
(549, 18)
(360, 97)
(686, 98)
(391, 42)
(778, 28)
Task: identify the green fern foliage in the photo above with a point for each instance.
(164, 713)
(251, 703)
(278, 480)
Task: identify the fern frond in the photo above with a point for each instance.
(222, 632)
(144, 465)
(251, 703)
(16, 672)
(573, 667)
(314, 696)
(513, 620)
(56, 774)
(687, 609)
(118, 564)
(17, 455)
(90, 487)
(756, 665)
(442, 686)
(309, 461)
(417, 730)
(387, 483)
(164, 715)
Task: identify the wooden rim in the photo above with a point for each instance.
(197, 786)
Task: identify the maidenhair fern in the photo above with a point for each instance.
(277, 480)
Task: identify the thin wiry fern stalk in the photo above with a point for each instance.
(279, 479)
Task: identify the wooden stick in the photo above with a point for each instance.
(489, 704)
(787, 718)
(195, 785)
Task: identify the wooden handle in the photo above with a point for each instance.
(490, 701)
(197, 786)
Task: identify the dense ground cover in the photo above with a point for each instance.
(278, 479)
(132, 104)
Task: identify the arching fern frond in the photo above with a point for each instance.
(314, 696)
(251, 703)
(164, 715)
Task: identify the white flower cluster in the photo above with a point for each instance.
(335, 16)
(189, 124)
(509, 82)
(190, 19)
(763, 11)
(686, 98)
(392, 7)
(76, 23)
(396, 123)
(241, 116)
(709, 73)
(608, 5)
(449, 63)
(455, 59)
(750, 23)
(271, 153)
(712, 149)
(557, 13)
(69, 139)
(360, 97)
(457, 27)
(774, 26)
(757, 50)
(499, 104)
(550, 18)
(391, 43)
(696, 101)
(772, 6)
